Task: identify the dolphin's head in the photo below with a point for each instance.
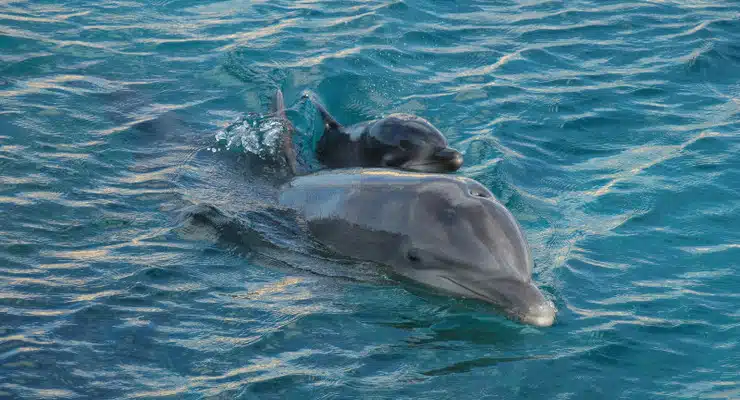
(462, 240)
(412, 143)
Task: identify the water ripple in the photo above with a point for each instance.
(608, 128)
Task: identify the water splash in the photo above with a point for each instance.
(253, 133)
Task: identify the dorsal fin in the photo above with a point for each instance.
(278, 104)
(328, 119)
(278, 109)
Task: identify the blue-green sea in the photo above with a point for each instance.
(610, 129)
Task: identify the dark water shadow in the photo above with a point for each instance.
(483, 362)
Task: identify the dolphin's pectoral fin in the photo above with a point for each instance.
(329, 121)
(278, 108)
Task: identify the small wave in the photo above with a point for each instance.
(609, 128)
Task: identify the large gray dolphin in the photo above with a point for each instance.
(444, 231)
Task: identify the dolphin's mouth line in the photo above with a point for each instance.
(469, 289)
(512, 311)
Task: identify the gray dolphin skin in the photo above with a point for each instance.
(402, 141)
(444, 231)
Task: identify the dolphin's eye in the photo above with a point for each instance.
(413, 255)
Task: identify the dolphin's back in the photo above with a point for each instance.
(360, 213)
(377, 199)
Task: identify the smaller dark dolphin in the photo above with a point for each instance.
(400, 141)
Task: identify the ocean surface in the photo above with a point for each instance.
(610, 129)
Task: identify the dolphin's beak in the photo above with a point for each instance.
(531, 306)
(442, 160)
(451, 159)
(520, 300)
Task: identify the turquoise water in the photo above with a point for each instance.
(610, 129)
